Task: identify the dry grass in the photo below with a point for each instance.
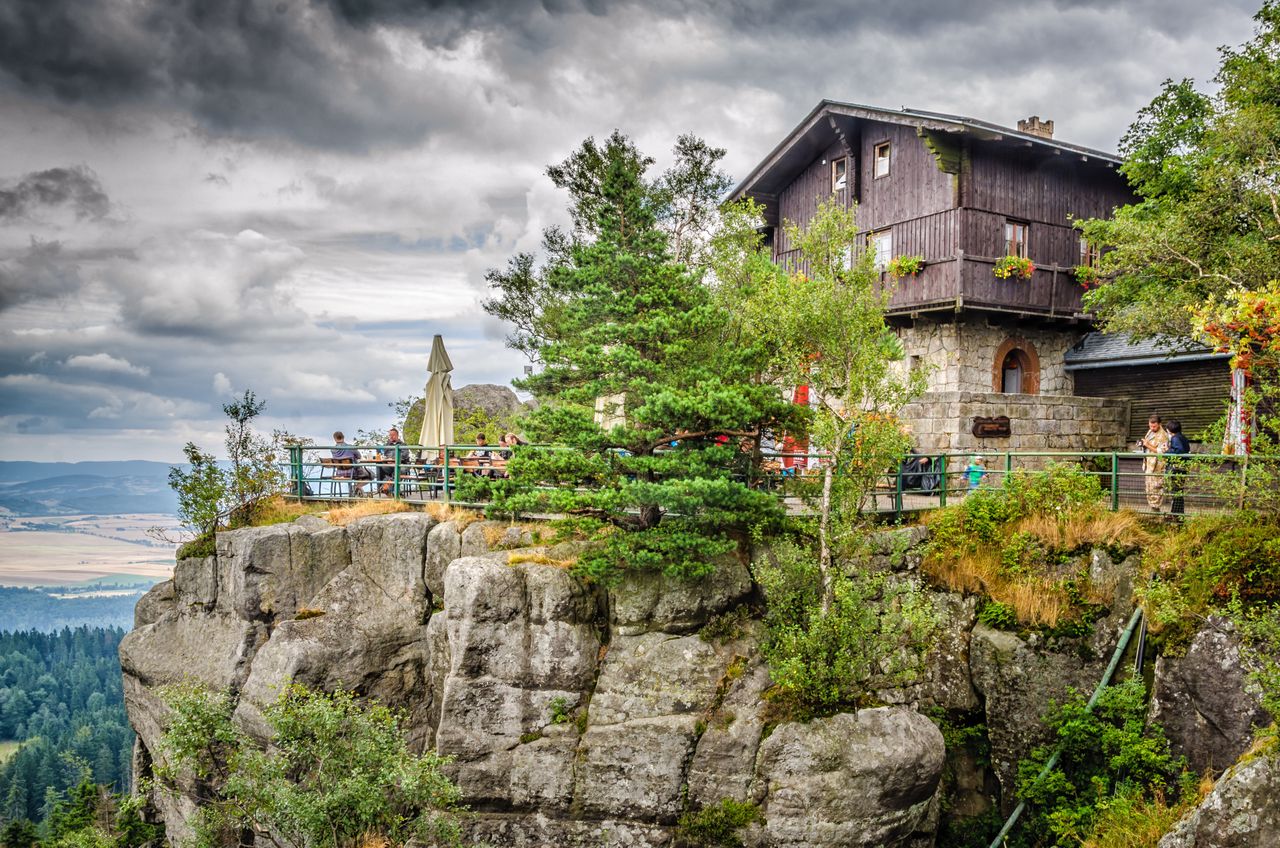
(443, 512)
(304, 613)
(1036, 601)
(342, 516)
(1129, 822)
(1096, 528)
(280, 510)
(369, 839)
(538, 558)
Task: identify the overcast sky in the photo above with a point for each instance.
(295, 195)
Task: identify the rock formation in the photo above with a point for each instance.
(575, 716)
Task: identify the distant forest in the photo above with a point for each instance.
(61, 696)
(33, 609)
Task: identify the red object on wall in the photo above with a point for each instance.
(790, 445)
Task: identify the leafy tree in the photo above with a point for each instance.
(824, 326)
(210, 495)
(336, 772)
(1206, 169)
(637, 378)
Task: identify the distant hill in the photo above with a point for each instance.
(22, 471)
(86, 488)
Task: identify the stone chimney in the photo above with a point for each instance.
(1035, 126)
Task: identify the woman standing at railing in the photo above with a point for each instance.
(1154, 443)
(1178, 448)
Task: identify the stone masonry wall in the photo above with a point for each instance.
(961, 354)
(943, 421)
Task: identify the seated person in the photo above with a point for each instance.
(387, 460)
(483, 456)
(349, 456)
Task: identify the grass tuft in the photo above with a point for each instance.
(342, 516)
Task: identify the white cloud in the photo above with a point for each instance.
(107, 362)
(221, 384)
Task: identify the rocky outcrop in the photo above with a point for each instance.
(1241, 811)
(865, 779)
(574, 715)
(1204, 700)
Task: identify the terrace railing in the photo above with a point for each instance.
(418, 473)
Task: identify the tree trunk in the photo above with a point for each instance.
(824, 542)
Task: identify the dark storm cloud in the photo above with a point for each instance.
(40, 271)
(322, 73)
(74, 188)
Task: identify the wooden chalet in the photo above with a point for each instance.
(962, 193)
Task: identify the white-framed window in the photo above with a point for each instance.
(839, 174)
(1090, 254)
(881, 245)
(880, 167)
(1015, 238)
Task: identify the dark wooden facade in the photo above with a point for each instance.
(952, 186)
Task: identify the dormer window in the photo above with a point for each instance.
(881, 160)
(839, 174)
(1015, 238)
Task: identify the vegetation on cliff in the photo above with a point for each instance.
(337, 773)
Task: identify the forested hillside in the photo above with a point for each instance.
(61, 698)
(24, 609)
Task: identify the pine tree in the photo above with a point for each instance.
(640, 378)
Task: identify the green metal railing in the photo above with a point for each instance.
(1197, 483)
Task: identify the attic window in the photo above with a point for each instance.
(881, 160)
(1015, 238)
(839, 174)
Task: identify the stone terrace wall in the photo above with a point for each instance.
(943, 421)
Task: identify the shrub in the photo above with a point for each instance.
(335, 772)
(717, 826)
(1010, 542)
(1201, 567)
(998, 615)
(823, 662)
(1110, 750)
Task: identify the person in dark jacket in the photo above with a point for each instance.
(1178, 448)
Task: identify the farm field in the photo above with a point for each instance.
(62, 550)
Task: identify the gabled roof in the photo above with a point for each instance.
(830, 118)
(1103, 350)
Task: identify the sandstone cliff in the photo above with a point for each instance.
(579, 716)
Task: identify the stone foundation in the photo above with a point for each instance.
(943, 421)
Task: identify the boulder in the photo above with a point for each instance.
(1242, 811)
(1204, 700)
(653, 696)
(644, 601)
(365, 630)
(536, 830)
(159, 599)
(867, 779)
(269, 573)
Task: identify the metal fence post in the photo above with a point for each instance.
(1115, 482)
(395, 477)
(1008, 466)
(295, 461)
(897, 492)
(445, 453)
(942, 481)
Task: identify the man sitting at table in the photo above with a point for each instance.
(387, 460)
(344, 453)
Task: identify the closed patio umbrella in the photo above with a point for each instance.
(437, 412)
